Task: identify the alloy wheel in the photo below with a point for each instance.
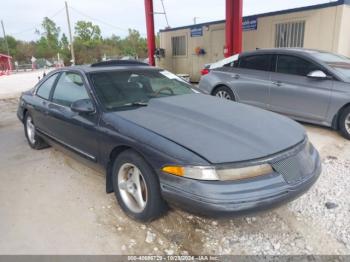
(347, 123)
(223, 94)
(30, 130)
(132, 187)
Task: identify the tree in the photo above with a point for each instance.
(64, 41)
(134, 44)
(25, 50)
(89, 45)
(65, 49)
(48, 44)
(87, 32)
(12, 43)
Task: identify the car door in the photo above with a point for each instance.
(41, 101)
(251, 79)
(76, 131)
(294, 93)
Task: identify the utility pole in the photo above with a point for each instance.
(70, 35)
(195, 20)
(5, 38)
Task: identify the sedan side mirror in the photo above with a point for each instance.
(318, 74)
(82, 106)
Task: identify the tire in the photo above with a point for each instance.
(136, 187)
(33, 139)
(224, 92)
(344, 123)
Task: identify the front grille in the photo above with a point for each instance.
(296, 167)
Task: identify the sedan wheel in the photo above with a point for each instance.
(132, 187)
(30, 128)
(33, 139)
(347, 123)
(224, 92)
(136, 187)
(344, 123)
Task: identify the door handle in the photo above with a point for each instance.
(236, 76)
(45, 110)
(277, 83)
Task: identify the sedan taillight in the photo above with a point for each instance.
(205, 71)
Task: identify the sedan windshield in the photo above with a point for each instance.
(339, 63)
(120, 89)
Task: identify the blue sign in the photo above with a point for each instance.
(250, 24)
(196, 31)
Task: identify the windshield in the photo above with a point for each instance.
(339, 63)
(120, 89)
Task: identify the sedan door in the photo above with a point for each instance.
(251, 79)
(41, 101)
(295, 94)
(76, 131)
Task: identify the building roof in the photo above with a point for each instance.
(5, 56)
(282, 12)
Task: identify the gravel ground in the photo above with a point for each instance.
(52, 204)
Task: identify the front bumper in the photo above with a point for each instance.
(225, 198)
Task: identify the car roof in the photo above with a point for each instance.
(89, 69)
(112, 65)
(282, 51)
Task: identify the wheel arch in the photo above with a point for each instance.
(116, 151)
(335, 121)
(24, 113)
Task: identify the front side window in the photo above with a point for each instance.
(256, 62)
(45, 88)
(120, 89)
(70, 88)
(339, 63)
(294, 65)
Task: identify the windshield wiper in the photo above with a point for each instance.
(137, 103)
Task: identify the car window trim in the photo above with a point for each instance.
(52, 87)
(84, 84)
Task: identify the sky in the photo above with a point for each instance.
(21, 18)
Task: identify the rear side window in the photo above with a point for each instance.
(70, 88)
(45, 88)
(293, 65)
(256, 62)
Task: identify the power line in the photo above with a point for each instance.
(98, 20)
(165, 14)
(31, 29)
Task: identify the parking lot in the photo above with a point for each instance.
(52, 204)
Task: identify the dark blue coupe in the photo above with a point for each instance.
(162, 142)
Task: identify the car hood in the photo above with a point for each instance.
(218, 130)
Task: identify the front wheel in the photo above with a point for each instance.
(33, 139)
(136, 187)
(224, 92)
(344, 123)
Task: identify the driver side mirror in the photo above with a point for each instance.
(318, 74)
(82, 106)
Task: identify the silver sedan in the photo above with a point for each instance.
(306, 85)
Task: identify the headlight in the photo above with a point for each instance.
(212, 173)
